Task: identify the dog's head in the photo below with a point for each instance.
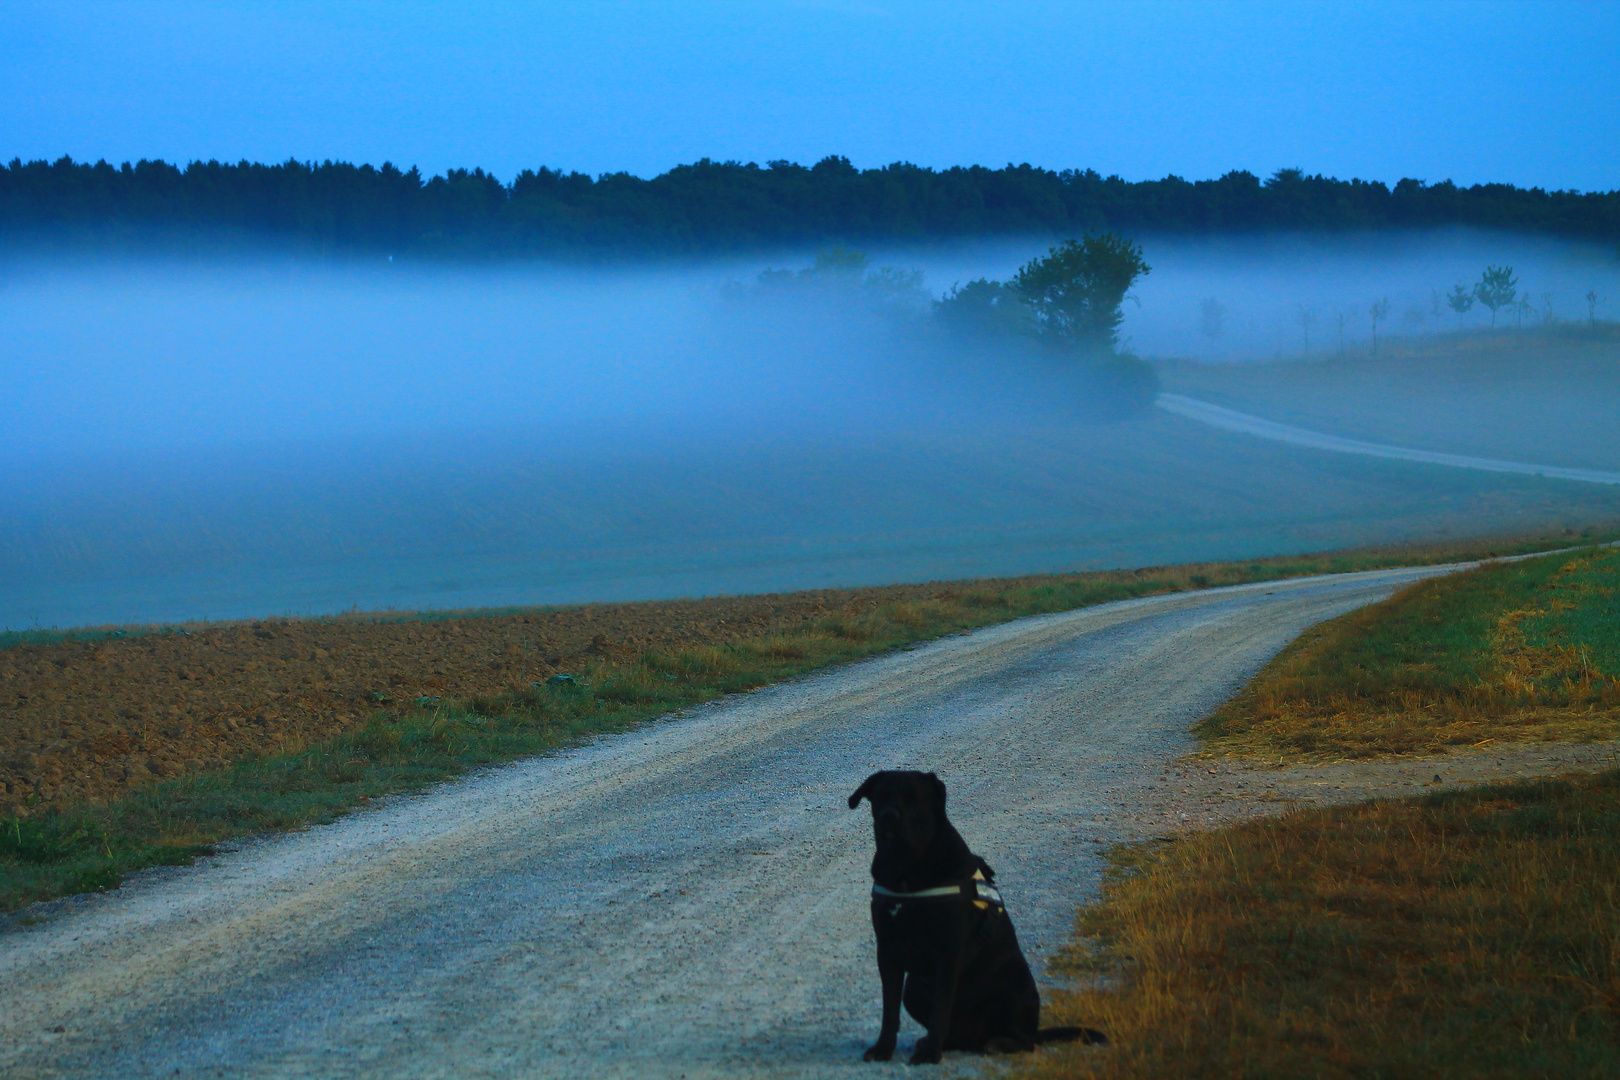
(908, 811)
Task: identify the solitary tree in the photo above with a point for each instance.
(1378, 312)
(1076, 290)
(1344, 317)
(1461, 300)
(1497, 288)
(1591, 307)
(1212, 317)
(1305, 316)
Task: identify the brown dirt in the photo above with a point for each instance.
(86, 720)
(1211, 789)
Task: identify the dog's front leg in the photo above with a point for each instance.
(947, 975)
(893, 974)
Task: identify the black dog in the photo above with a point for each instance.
(943, 934)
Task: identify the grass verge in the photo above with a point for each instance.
(1471, 933)
(1526, 651)
(56, 850)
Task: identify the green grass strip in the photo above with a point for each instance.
(1526, 650)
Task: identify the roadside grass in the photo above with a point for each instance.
(1523, 652)
(1472, 933)
(55, 851)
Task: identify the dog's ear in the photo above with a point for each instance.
(863, 791)
(939, 791)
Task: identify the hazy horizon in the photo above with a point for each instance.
(219, 438)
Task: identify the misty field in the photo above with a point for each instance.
(1544, 395)
(488, 524)
(276, 436)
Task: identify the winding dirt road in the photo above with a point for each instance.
(684, 900)
(1231, 420)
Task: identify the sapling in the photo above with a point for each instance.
(1497, 288)
(1461, 300)
(1305, 317)
(1379, 310)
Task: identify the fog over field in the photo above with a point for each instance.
(231, 438)
(1262, 282)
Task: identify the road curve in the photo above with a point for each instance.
(1231, 420)
(688, 899)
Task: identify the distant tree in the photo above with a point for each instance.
(1496, 289)
(1461, 300)
(1547, 316)
(839, 262)
(1591, 308)
(987, 307)
(1522, 307)
(1344, 317)
(890, 283)
(840, 272)
(1377, 312)
(1434, 301)
(1077, 288)
(1212, 318)
(1305, 316)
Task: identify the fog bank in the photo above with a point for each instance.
(220, 440)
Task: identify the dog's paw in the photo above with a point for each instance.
(926, 1051)
(879, 1051)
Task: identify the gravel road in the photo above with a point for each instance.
(685, 900)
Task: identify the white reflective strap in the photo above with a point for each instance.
(943, 890)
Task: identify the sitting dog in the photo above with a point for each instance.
(945, 945)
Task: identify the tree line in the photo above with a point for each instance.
(712, 207)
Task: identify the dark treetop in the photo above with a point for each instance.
(713, 207)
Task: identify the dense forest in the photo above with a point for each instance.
(711, 207)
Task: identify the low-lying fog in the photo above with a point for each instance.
(210, 439)
(1263, 284)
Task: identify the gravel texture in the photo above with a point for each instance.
(688, 899)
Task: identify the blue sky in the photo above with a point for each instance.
(1527, 93)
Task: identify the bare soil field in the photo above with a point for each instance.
(89, 719)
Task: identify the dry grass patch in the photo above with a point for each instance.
(1468, 934)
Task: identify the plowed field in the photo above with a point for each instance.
(89, 719)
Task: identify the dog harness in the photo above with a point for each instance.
(977, 889)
